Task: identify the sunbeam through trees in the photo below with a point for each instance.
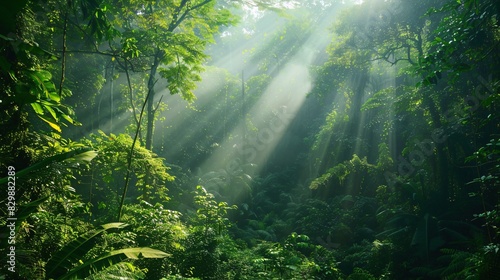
(250, 139)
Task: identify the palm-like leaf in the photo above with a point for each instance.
(107, 259)
(73, 252)
(79, 155)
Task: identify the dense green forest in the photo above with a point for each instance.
(250, 139)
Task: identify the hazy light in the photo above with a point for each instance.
(271, 115)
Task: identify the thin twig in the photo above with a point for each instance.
(129, 159)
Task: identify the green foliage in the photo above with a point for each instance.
(295, 258)
(360, 274)
(472, 24)
(485, 186)
(489, 155)
(332, 119)
(178, 277)
(77, 156)
(462, 264)
(201, 257)
(122, 270)
(338, 223)
(115, 256)
(106, 177)
(187, 57)
(201, 254)
(157, 228)
(49, 213)
(211, 215)
(28, 82)
(355, 176)
(62, 264)
(63, 260)
(380, 99)
(397, 74)
(384, 161)
(165, 38)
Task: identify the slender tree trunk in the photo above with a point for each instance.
(150, 120)
(150, 105)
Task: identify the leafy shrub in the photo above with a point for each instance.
(106, 178)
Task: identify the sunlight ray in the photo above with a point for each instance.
(275, 111)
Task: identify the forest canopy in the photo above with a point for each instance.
(250, 139)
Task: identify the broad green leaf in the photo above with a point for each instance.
(62, 261)
(82, 157)
(51, 111)
(52, 124)
(68, 118)
(79, 155)
(114, 225)
(52, 94)
(38, 108)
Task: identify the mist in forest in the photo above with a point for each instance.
(254, 139)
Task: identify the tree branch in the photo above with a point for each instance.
(178, 20)
(157, 106)
(130, 90)
(64, 49)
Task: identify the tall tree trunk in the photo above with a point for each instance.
(150, 106)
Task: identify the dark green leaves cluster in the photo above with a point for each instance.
(28, 83)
